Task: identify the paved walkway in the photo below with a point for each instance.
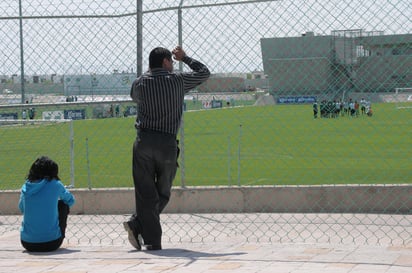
(228, 256)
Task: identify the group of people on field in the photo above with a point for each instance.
(159, 96)
(30, 112)
(336, 108)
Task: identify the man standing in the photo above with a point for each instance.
(315, 109)
(363, 106)
(159, 94)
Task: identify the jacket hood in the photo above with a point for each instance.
(31, 188)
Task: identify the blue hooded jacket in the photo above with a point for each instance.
(38, 203)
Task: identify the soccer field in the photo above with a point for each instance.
(267, 145)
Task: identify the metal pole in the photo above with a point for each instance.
(238, 158)
(228, 162)
(88, 164)
(21, 54)
(139, 37)
(180, 29)
(182, 130)
(71, 154)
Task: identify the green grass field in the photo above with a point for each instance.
(268, 145)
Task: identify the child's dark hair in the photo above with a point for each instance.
(43, 168)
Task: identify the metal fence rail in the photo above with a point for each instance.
(252, 123)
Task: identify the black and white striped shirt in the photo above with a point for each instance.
(159, 95)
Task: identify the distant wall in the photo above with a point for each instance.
(34, 88)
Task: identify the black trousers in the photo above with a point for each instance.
(154, 169)
(64, 211)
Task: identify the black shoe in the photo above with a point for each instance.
(134, 237)
(153, 247)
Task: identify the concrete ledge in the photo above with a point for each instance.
(388, 199)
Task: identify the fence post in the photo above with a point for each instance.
(71, 155)
(21, 54)
(139, 37)
(238, 158)
(182, 129)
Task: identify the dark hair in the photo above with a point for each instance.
(157, 55)
(43, 168)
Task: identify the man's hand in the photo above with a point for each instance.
(178, 53)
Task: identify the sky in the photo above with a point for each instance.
(58, 38)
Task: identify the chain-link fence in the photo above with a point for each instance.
(301, 93)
